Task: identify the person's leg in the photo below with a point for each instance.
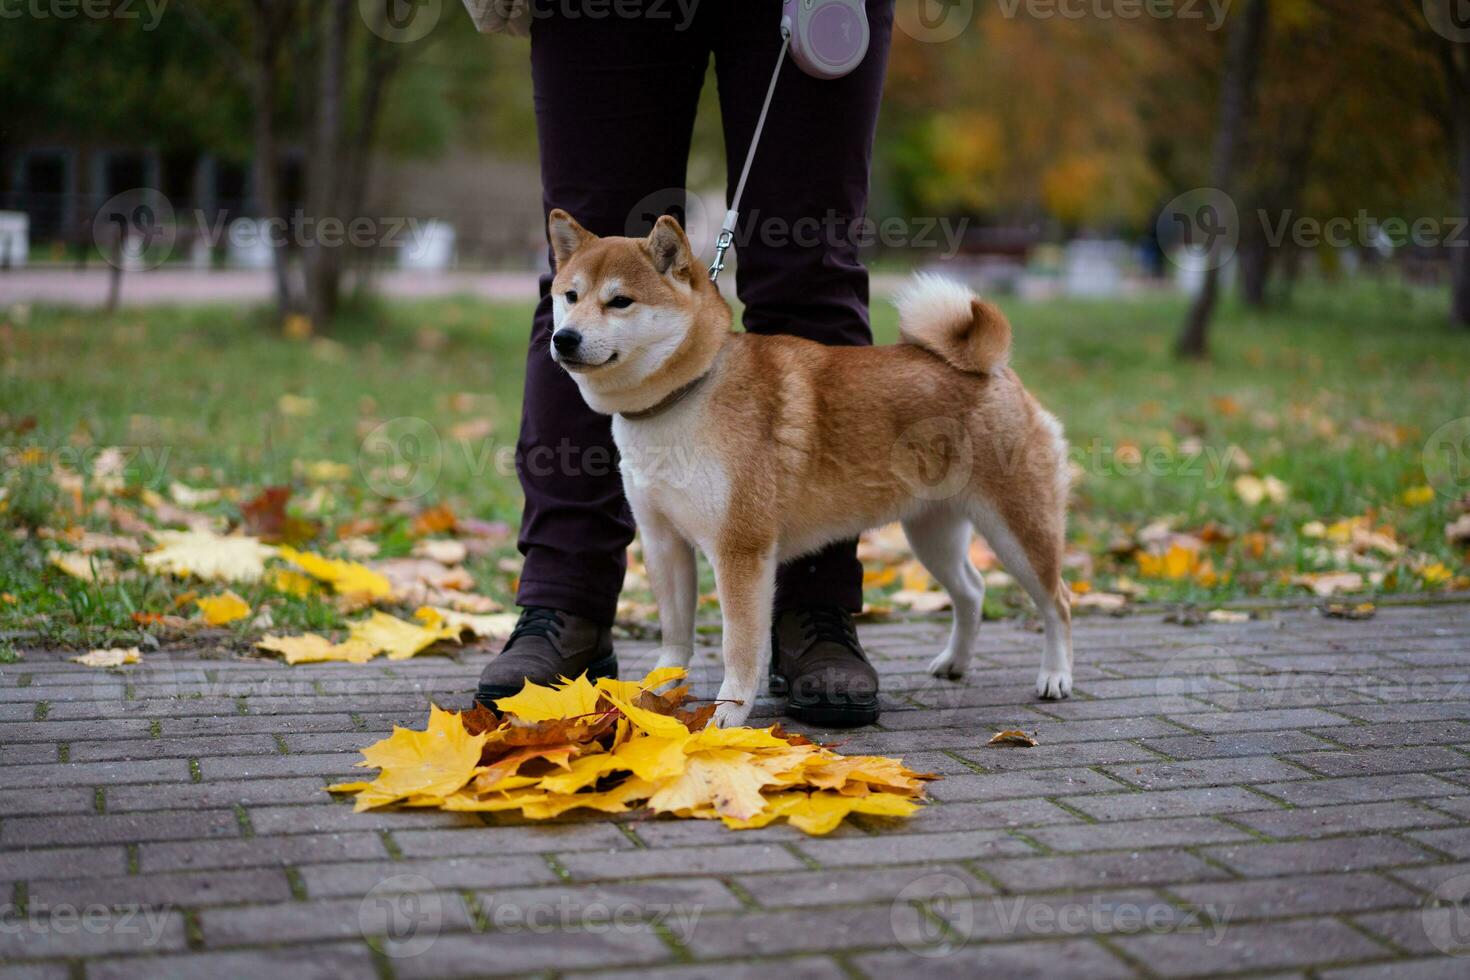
(615, 102)
(797, 266)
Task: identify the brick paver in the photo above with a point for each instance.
(1289, 796)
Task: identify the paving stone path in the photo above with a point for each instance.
(1284, 797)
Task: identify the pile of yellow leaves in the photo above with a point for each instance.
(614, 746)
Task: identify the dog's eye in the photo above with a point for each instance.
(571, 295)
(620, 302)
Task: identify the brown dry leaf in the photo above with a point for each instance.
(445, 551)
(266, 518)
(1012, 737)
(416, 580)
(439, 519)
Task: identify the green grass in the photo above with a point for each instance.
(1335, 396)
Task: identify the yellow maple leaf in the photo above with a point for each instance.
(664, 726)
(629, 690)
(209, 556)
(820, 812)
(345, 577)
(435, 762)
(567, 699)
(108, 658)
(718, 778)
(222, 609)
(398, 638)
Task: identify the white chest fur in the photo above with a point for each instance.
(671, 466)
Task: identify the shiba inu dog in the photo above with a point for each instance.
(758, 449)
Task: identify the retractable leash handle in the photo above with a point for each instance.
(827, 39)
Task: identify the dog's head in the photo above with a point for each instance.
(623, 308)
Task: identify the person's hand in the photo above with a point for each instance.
(501, 16)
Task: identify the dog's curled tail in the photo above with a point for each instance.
(948, 320)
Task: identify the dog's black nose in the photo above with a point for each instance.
(566, 341)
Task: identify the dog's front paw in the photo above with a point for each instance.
(730, 715)
(1054, 685)
(947, 667)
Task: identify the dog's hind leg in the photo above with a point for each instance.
(940, 538)
(745, 576)
(1030, 545)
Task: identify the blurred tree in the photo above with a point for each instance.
(1237, 94)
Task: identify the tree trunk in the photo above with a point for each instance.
(1460, 251)
(270, 28)
(323, 170)
(1237, 93)
(1255, 269)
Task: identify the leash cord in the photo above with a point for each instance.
(732, 216)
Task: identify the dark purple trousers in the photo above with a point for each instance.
(615, 103)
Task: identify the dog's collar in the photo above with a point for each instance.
(667, 402)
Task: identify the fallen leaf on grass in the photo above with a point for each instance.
(222, 609)
(1417, 496)
(921, 602)
(445, 551)
(1254, 490)
(613, 745)
(1458, 532)
(79, 566)
(108, 658)
(266, 518)
(1106, 601)
(1012, 737)
(1330, 583)
(480, 627)
(346, 578)
(209, 556)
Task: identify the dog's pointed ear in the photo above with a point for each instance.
(566, 235)
(668, 247)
